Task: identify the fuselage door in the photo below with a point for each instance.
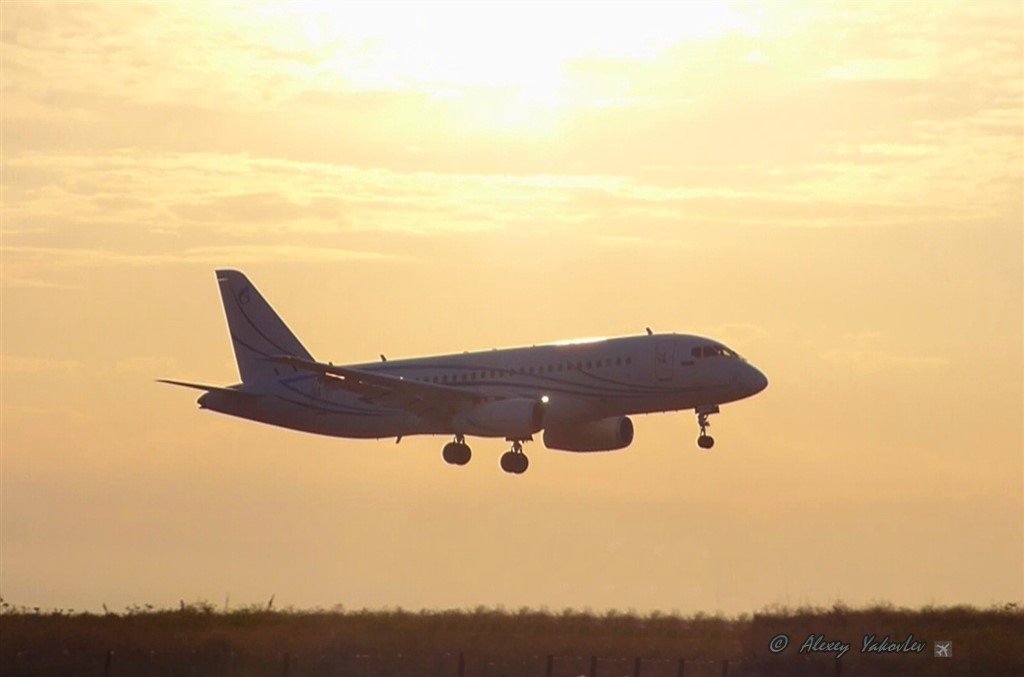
(664, 359)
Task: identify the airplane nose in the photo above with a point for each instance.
(758, 381)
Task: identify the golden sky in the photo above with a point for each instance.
(833, 190)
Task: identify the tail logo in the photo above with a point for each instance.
(243, 297)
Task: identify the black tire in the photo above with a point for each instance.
(508, 462)
(463, 454)
(450, 453)
(705, 441)
(522, 463)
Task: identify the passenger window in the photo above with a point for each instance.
(618, 361)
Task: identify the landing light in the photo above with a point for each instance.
(544, 399)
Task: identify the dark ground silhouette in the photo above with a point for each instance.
(197, 639)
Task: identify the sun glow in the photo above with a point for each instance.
(508, 64)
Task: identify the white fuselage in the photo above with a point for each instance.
(581, 381)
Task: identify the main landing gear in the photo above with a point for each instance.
(515, 461)
(705, 441)
(457, 452)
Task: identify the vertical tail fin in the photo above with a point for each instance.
(256, 330)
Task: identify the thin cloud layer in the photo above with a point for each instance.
(728, 122)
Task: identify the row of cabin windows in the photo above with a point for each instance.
(712, 351)
(551, 368)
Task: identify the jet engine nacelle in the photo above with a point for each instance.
(516, 418)
(607, 434)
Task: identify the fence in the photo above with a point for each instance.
(208, 661)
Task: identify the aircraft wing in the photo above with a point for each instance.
(419, 397)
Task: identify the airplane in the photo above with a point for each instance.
(579, 393)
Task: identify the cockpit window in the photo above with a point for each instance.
(714, 351)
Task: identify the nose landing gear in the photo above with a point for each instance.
(457, 452)
(705, 441)
(515, 461)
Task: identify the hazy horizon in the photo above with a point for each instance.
(834, 191)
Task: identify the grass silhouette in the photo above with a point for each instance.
(199, 639)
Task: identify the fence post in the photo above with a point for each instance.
(287, 664)
(551, 666)
(682, 668)
(636, 667)
(107, 661)
(725, 668)
(462, 664)
(593, 666)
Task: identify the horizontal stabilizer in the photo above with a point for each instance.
(200, 386)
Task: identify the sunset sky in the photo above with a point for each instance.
(833, 190)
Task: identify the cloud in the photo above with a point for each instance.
(62, 257)
(260, 208)
(28, 267)
(635, 241)
(18, 364)
(254, 136)
(145, 366)
(738, 334)
(875, 360)
(866, 351)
